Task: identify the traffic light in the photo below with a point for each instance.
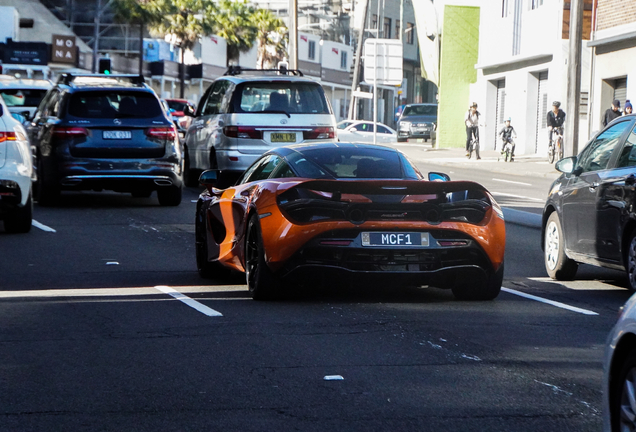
(104, 66)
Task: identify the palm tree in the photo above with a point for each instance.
(271, 38)
(234, 22)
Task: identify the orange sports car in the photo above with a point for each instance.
(324, 212)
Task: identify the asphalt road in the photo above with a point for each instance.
(105, 325)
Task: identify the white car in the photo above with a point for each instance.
(362, 132)
(23, 96)
(619, 372)
(16, 174)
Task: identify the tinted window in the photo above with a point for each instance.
(351, 163)
(382, 129)
(628, 154)
(364, 127)
(22, 97)
(114, 104)
(344, 125)
(596, 156)
(214, 101)
(290, 97)
(413, 110)
(176, 105)
(283, 171)
(261, 169)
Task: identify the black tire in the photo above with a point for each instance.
(557, 263)
(261, 281)
(206, 269)
(19, 219)
(622, 397)
(550, 153)
(47, 192)
(169, 195)
(468, 289)
(190, 176)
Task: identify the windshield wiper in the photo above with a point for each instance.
(277, 112)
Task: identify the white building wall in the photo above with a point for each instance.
(9, 24)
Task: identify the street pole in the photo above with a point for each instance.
(293, 34)
(574, 78)
(364, 4)
(98, 15)
(141, 47)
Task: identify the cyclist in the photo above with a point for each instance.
(507, 133)
(472, 129)
(556, 118)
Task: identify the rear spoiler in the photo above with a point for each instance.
(391, 187)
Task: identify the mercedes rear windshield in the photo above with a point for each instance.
(114, 104)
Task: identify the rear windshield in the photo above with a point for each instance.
(344, 163)
(289, 97)
(177, 106)
(413, 110)
(22, 97)
(114, 104)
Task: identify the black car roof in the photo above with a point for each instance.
(300, 148)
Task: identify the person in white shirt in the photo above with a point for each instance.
(472, 129)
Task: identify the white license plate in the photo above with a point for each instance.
(395, 239)
(117, 135)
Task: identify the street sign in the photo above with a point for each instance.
(383, 61)
(363, 95)
(64, 49)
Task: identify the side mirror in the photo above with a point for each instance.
(566, 165)
(188, 111)
(438, 176)
(208, 178)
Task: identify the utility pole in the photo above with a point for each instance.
(293, 34)
(574, 78)
(98, 15)
(364, 4)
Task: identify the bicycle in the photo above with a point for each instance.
(506, 151)
(474, 145)
(555, 148)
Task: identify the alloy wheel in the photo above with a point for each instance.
(628, 401)
(552, 245)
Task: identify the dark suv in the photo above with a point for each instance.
(417, 121)
(95, 132)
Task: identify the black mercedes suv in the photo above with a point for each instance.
(95, 132)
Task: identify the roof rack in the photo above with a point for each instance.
(67, 78)
(237, 70)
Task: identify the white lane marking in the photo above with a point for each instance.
(512, 181)
(516, 196)
(550, 302)
(42, 226)
(187, 300)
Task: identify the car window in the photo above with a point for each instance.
(22, 97)
(215, 98)
(363, 127)
(262, 169)
(628, 154)
(283, 171)
(112, 104)
(356, 162)
(382, 129)
(597, 154)
(413, 110)
(51, 108)
(287, 96)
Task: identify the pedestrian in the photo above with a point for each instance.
(472, 129)
(628, 107)
(612, 113)
(507, 133)
(555, 118)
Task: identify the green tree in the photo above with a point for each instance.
(234, 22)
(271, 37)
(135, 12)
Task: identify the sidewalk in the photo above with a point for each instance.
(491, 160)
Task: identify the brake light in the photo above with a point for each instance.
(319, 133)
(7, 136)
(68, 132)
(242, 132)
(168, 133)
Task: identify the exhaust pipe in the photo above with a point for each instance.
(162, 182)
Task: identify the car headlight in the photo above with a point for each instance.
(405, 125)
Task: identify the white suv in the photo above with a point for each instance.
(16, 174)
(245, 113)
(23, 96)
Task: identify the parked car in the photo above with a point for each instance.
(342, 124)
(16, 174)
(179, 108)
(590, 214)
(619, 372)
(246, 113)
(97, 132)
(306, 212)
(362, 131)
(23, 96)
(417, 121)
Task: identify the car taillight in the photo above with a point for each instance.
(168, 133)
(7, 136)
(68, 132)
(319, 133)
(242, 132)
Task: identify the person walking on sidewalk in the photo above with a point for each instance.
(507, 133)
(612, 113)
(472, 129)
(628, 107)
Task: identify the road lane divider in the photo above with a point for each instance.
(42, 226)
(188, 301)
(512, 182)
(509, 195)
(550, 302)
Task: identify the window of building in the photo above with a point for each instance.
(534, 4)
(516, 28)
(397, 29)
(410, 33)
(343, 60)
(387, 28)
(374, 21)
(312, 50)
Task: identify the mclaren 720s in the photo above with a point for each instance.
(321, 213)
